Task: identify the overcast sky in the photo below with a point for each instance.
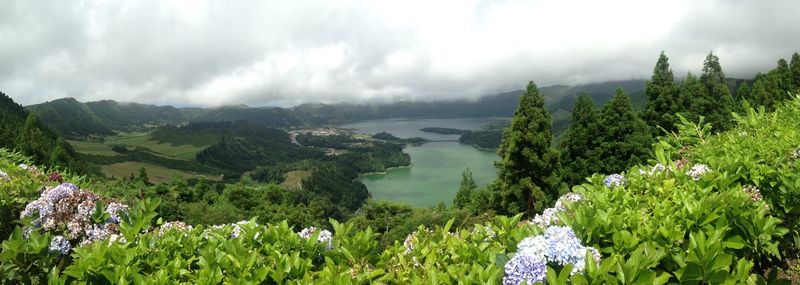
(282, 53)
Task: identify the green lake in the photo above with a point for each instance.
(436, 166)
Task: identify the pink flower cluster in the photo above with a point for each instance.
(70, 212)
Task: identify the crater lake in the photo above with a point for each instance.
(435, 174)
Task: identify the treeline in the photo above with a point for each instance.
(482, 139)
(443, 131)
(533, 172)
(21, 130)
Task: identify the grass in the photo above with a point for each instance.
(185, 152)
(88, 147)
(294, 179)
(157, 174)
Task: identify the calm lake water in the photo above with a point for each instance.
(437, 166)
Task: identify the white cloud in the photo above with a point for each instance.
(260, 53)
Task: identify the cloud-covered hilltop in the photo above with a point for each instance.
(284, 53)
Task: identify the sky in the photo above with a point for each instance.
(284, 53)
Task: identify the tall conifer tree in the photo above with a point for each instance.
(528, 168)
(624, 138)
(579, 141)
(662, 98)
(716, 102)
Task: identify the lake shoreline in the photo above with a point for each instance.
(385, 171)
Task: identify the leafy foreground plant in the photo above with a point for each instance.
(716, 209)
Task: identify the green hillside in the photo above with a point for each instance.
(22, 131)
(707, 208)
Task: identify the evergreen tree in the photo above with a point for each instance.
(794, 67)
(529, 165)
(580, 140)
(624, 138)
(464, 194)
(662, 98)
(743, 92)
(143, 175)
(716, 102)
(691, 89)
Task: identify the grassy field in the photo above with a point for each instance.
(185, 152)
(294, 179)
(88, 147)
(157, 174)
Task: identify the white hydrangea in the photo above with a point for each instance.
(697, 171)
(325, 236)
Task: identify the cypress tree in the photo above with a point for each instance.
(579, 141)
(464, 194)
(624, 138)
(528, 168)
(662, 98)
(716, 102)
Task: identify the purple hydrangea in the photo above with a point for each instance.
(62, 191)
(525, 266)
(60, 244)
(614, 180)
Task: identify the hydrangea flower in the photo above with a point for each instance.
(176, 225)
(525, 267)
(569, 197)
(563, 247)
(325, 236)
(558, 245)
(485, 231)
(114, 209)
(697, 171)
(66, 210)
(60, 244)
(409, 242)
(548, 217)
(614, 180)
(753, 192)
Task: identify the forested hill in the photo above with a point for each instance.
(71, 118)
(22, 131)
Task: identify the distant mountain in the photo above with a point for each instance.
(70, 118)
(20, 130)
(74, 119)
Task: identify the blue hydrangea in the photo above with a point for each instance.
(614, 180)
(60, 244)
(563, 247)
(526, 266)
(557, 246)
